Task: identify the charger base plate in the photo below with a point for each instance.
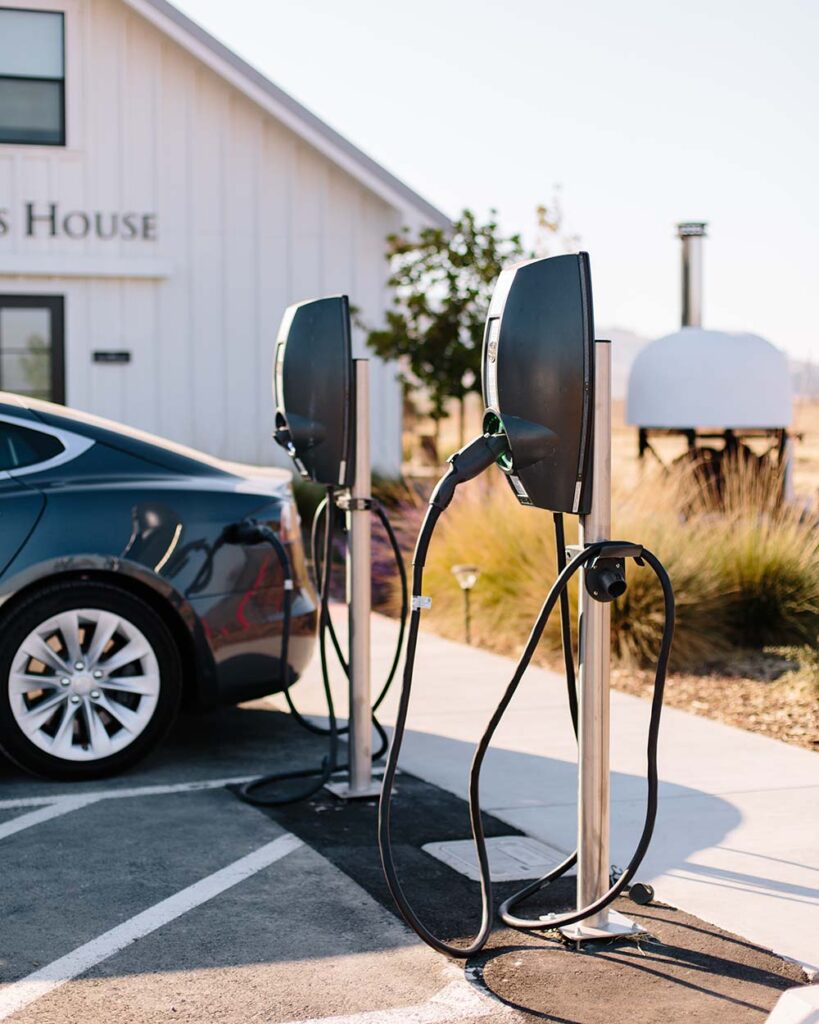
(615, 926)
(340, 787)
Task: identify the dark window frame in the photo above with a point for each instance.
(32, 78)
(56, 305)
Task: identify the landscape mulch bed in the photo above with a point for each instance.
(785, 709)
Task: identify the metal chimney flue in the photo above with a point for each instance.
(691, 233)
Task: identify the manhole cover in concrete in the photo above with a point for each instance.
(511, 858)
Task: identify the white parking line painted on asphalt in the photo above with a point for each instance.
(119, 794)
(34, 986)
(457, 1001)
(53, 810)
(54, 806)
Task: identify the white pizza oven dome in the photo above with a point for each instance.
(697, 379)
(700, 378)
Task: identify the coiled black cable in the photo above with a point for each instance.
(322, 567)
(319, 567)
(556, 593)
(560, 920)
(329, 764)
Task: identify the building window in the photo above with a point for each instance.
(31, 346)
(32, 77)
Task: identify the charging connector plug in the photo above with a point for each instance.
(466, 464)
(246, 532)
(605, 579)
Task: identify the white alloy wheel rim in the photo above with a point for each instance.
(84, 684)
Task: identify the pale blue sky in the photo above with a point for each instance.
(645, 111)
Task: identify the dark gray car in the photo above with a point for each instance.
(120, 599)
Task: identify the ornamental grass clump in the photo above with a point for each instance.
(650, 516)
(744, 565)
(766, 559)
(769, 571)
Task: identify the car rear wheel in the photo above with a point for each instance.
(90, 680)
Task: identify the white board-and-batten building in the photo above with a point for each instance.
(161, 203)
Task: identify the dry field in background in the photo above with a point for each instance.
(626, 464)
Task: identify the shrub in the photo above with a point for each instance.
(768, 568)
(684, 547)
(765, 556)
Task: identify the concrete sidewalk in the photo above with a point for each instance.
(737, 835)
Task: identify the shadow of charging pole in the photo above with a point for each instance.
(594, 682)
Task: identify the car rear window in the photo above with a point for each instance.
(20, 447)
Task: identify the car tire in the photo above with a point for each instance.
(92, 705)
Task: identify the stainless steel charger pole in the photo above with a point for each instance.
(593, 691)
(359, 600)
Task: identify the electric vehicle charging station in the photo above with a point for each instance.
(322, 400)
(314, 390)
(547, 425)
(541, 359)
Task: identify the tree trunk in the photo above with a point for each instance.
(461, 421)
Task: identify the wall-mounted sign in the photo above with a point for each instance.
(112, 356)
(51, 220)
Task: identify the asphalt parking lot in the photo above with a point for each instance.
(159, 896)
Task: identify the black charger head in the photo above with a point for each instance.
(538, 374)
(314, 390)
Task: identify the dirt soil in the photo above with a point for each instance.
(682, 969)
(785, 709)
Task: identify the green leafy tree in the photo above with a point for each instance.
(442, 282)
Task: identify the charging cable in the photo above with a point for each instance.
(250, 532)
(466, 464)
(320, 566)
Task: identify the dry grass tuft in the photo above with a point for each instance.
(745, 576)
